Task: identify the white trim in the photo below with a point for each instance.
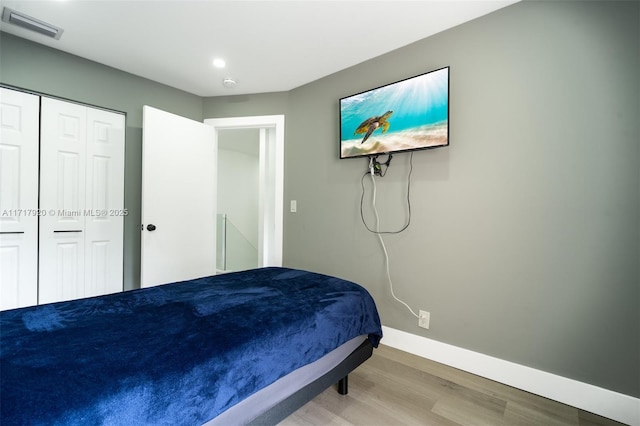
(607, 403)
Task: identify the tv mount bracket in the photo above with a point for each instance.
(375, 166)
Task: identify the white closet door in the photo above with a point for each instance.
(104, 216)
(82, 187)
(19, 121)
(63, 144)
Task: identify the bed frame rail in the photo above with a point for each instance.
(339, 375)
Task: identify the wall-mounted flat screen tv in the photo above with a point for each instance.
(406, 115)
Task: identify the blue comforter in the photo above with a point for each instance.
(176, 354)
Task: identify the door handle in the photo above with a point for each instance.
(151, 227)
(71, 230)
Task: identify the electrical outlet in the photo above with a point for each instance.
(423, 319)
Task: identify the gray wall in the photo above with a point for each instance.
(525, 236)
(35, 67)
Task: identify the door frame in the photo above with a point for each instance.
(271, 179)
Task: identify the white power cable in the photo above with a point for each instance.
(384, 247)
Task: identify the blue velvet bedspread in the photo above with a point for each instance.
(176, 354)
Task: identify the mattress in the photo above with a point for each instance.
(180, 354)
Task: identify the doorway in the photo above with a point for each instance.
(238, 195)
(266, 143)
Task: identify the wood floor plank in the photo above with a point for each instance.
(535, 414)
(590, 419)
(397, 388)
(429, 387)
(353, 410)
(467, 412)
(408, 406)
(314, 414)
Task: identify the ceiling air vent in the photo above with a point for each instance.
(20, 19)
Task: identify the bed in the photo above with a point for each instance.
(240, 348)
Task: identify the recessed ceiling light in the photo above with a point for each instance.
(219, 63)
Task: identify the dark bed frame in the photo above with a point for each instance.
(339, 375)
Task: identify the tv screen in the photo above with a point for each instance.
(406, 115)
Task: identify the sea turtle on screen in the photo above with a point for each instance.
(370, 125)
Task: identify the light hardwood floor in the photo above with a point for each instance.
(398, 388)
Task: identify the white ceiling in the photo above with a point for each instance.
(269, 45)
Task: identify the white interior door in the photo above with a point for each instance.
(178, 198)
(19, 123)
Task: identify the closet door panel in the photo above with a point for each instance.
(19, 124)
(62, 194)
(104, 220)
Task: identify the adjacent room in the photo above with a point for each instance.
(497, 255)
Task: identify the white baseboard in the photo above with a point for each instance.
(620, 407)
